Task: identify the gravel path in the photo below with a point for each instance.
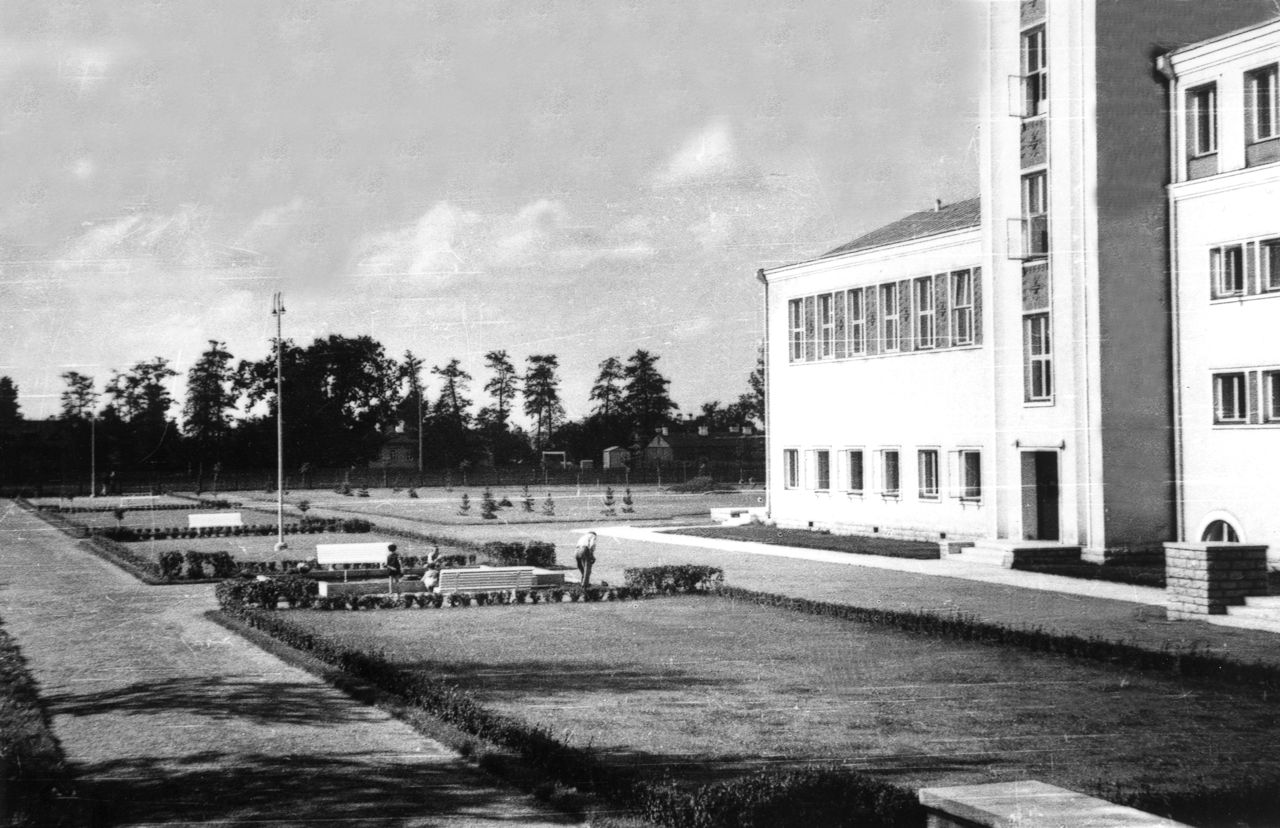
(168, 718)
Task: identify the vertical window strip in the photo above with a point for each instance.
(822, 470)
(856, 473)
(1262, 107)
(970, 475)
(810, 328)
(1039, 358)
(795, 312)
(826, 327)
(1035, 75)
(892, 472)
(925, 330)
(791, 468)
(857, 322)
(1269, 264)
(927, 463)
(1271, 396)
(1202, 108)
(889, 315)
(962, 307)
(1230, 398)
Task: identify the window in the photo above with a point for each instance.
(1219, 531)
(970, 474)
(1230, 402)
(1202, 119)
(795, 313)
(791, 468)
(857, 323)
(826, 327)
(962, 307)
(892, 473)
(1035, 215)
(1035, 75)
(1271, 396)
(928, 471)
(855, 471)
(1269, 262)
(925, 322)
(822, 470)
(1039, 357)
(889, 333)
(1226, 266)
(1260, 96)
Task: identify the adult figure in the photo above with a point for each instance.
(395, 569)
(586, 556)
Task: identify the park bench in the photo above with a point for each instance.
(497, 578)
(211, 521)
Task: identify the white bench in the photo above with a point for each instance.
(348, 554)
(495, 578)
(212, 521)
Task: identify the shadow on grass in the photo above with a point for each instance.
(214, 698)
(511, 681)
(362, 788)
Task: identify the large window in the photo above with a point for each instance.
(924, 311)
(1271, 396)
(1260, 92)
(1035, 215)
(970, 462)
(1035, 74)
(962, 307)
(822, 470)
(891, 473)
(927, 461)
(826, 327)
(857, 322)
(856, 475)
(890, 333)
(1039, 357)
(1230, 400)
(1202, 120)
(795, 315)
(791, 468)
(1226, 265)
(1269, 262)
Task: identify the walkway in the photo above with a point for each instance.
(169, 718)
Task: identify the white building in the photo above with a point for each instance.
(1053, 421)
(1225, 208)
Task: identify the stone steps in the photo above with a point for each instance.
(1012, 554)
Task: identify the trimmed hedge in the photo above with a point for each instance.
(675, 580)
(802, 798)
(307, 526)
(141, 507)
(34, 776)
(530, 553)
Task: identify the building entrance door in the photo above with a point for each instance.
(1040, 495)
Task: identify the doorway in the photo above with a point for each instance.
(1040, 496)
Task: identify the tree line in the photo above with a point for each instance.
(343, 397)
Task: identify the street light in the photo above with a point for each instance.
(277, 310)
(93, 454)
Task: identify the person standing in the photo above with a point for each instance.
(586, 556)
(395, 568)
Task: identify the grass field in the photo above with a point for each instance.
(706, 688)
(807, 539)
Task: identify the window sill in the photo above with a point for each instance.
(1237, 298)
(890, 496)
(1049, 403)
(929, 498)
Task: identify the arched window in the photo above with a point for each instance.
(1219, 531)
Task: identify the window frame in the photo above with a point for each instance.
(888, 296)
(1219, 271)
(887, 491)
(1035, 213)
(928, 472)
(1260, 100)
(1033, 62)
(1269, 405)
(1038, 388)
(1202, 120)
(962, 311)
(791, 468)
(826, 326)
(795, 319)
(969, 490)
(1239, 414)
(821, 469)
(857, 323)
(1269, 264)
(861, 488)
(924, 309)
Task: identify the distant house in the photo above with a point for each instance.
(399, 450)
(702, 446)
(614, 457)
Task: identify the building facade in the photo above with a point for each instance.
(1056, 423)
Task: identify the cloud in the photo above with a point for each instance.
(433, 248)
(708, 154)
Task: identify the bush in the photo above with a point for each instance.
(171, 564)
(698, 485)
(530, 553)
(675, 580)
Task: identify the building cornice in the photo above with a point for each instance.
(857, 258)
(1226, 182)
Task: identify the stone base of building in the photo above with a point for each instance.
(881, 531)
(1206, 578)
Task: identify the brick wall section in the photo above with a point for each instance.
(1206, 578)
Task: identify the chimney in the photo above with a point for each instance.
(666, 431)
(937, 205)
(702, 431)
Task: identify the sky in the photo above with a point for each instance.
(578, 178)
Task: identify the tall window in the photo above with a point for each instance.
(1035, 74)
(1269, 262)
(925, 322)
(1260, 91)
(1035, 214)
(962, 307)
(795, 313)
(890, 333)
(822, 470)
(1202, 119)
(856, 477)
(927, 460)
(1271, 396)
(826, 327)
(1039, 357)
(892, 472)
(970, 474)
(1226, 265)
(1230, 401)
(791, 468)
(857, 322)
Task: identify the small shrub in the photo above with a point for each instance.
(413, 493)
(488, 506)
(674, 579)
(549, 506)
(195, 565)
(627, 503)
(527, 501)
(465, 507)
(171, 564)
(505, 503)
(698, 485)
(609, 510)
(363, 492)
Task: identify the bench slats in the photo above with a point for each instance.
(214, 520)
(333, 554)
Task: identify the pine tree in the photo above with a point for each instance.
(488, 506)
(627, 506)
(549, 506)
(528, 500)
(465, 508)
(608, 501)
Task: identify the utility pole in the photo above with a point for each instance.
(277, 310)
(93, 454)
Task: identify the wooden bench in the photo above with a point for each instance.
(211, 521)
(497, 578)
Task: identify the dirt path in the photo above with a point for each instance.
(168, 718)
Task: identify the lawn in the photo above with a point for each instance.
(707, 688)
(808, 539)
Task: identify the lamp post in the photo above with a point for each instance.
(277, 310)
(93, 454)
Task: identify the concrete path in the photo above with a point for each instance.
(167, 718)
